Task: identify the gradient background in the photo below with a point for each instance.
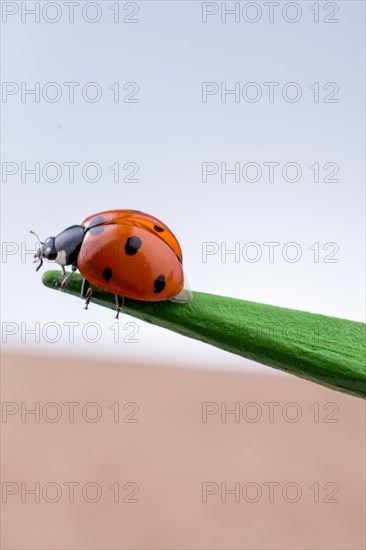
(169, 133)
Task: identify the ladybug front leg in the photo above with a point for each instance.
(59, 279)
(86, 292)
(66, 279)
(119, 304)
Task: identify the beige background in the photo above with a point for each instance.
(170, 452)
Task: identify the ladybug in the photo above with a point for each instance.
(125, 252)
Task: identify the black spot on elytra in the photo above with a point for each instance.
(132, 245)
(95, 226)
(97, 221)
(158, 229)
(97, 230)
(107, 274)
(159, 284)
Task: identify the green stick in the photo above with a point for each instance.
(326, 350)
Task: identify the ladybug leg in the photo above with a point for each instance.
(119, 304)
(67, 278)
(57, 281)
(86, 292)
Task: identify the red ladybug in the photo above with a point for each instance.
(126, 252)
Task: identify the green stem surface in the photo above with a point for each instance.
(325, 350)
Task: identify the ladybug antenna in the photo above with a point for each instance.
(33, 233)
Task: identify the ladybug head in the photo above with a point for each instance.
(47, 251)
